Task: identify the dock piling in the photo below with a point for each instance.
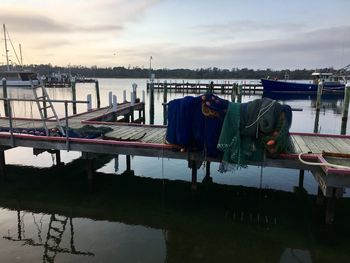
(4, 95)
(97, 87)
(319, 95)
(74, 96)
(345, 109)
(2, 165)
(115, 103)
(151, 104)
(110, 98)
(193, 166)
(89, 104)
(301, 178)
(124, 96)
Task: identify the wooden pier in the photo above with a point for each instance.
(128, 136)
(197, 87)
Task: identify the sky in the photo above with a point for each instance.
(258, 34)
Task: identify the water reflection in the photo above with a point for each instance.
(52, 243)
(135, 219)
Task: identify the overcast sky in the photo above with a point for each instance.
(180, 33)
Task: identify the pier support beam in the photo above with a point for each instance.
(89, 165)
(330, 206)
(207, 178)
(58, 158)
(2, 166)
(301, 178)
(193, 166)
(128, 170)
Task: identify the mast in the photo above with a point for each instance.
(6, 50)
(20, 54)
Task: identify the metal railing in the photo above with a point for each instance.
(7, 104)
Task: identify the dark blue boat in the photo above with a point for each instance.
(330, 84)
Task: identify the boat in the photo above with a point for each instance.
(17, 78)
(331, 83)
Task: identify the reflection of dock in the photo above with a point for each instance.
(56, 229)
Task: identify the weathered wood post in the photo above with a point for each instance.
(124, 96)
(319, 95)
(318, 105)
(115, 108)
(239, 93)
(58, 158)
(132, 103)
(344, 119)
(115, 103)
(143, 107)
(165, 100)
(2, 165)
(151, 104)
(89, 104)
(116, 163)
(4, 95)
(74, 96)
(97, 87)
(301, 178)
(234, 92)
(110, 99)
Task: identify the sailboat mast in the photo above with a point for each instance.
(20, 54)
(6, 50)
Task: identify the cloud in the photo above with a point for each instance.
(323, 47)
(244, 26)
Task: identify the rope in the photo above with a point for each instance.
(322, 164)
(261, 113)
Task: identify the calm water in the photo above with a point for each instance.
(140, 227)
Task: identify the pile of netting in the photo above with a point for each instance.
(239, 133)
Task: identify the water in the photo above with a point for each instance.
(153, 217)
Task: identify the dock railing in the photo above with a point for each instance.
(8, 114)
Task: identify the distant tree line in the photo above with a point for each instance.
(202, 73)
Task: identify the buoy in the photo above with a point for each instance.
(270, 142)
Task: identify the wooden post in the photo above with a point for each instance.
(317, 120)
(151, 104)
(115, 103)
(74, 96)
(116, 163)
(194, 175)
(2, 165)
(4, 92)
(89, 104)
(320, 196)
(124, 96)
(239, 92)
(330, 206)
(110, 99)
(345, 109)
(301, 178)
(128, 170)
(319, 95)
(58, 158)
(165, 100)
(97, 94)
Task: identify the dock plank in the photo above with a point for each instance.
(303, 147)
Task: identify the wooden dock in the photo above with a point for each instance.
(149, 140)
(197, 87)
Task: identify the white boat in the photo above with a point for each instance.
(17, 78)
